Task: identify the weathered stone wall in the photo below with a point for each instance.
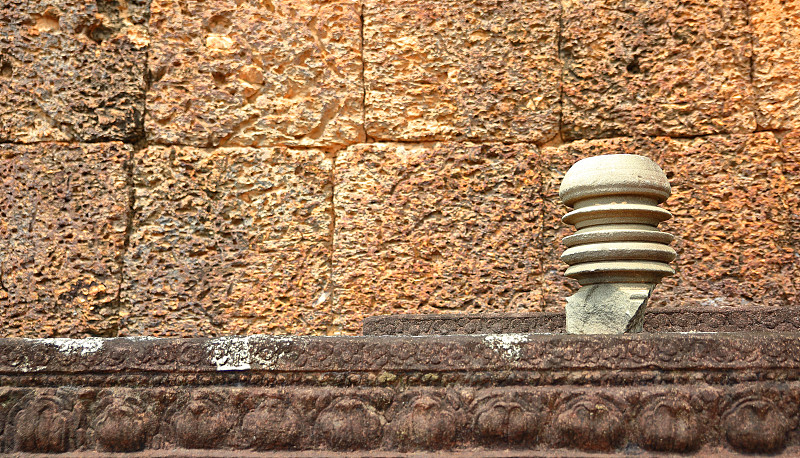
(176, 167)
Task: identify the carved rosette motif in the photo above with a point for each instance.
(274, 424)
(755, 425)
(590, 423)
(122, 423)
(350, 424)
(426, 420)
(203, 421)
(46, 424)
(669, 423)
(507, 418)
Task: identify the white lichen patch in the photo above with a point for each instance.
(72, 346)
(239, 353)
(509, 346)
(139, 338)
(230, 353)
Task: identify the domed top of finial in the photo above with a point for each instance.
(614, 174)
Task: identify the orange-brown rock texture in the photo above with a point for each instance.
(436, 227)
(63, 215)
(732, 217)
(776, 63)
(675, 67)
(260, 73)
(228, 241)
(477, 70)
(71, 70)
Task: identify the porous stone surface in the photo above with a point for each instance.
(229, 241)
(776, 62)
(63, 215)
(226, 72)
(790, 149)
(72, 70)
(609, 308)
(475, 69)
(677, 68)
(731, 218)
(427, 227)
(731, 214)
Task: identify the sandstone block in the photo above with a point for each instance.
(730, 218)
(617, 255)
(63, 215)
(676, 68)
(268, 73)
(229, 241)
(71, 70)
(776, 62)
(731, 210)
(476, 70)
(422, 228)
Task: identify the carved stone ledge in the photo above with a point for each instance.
(471, 395)
(699, 319)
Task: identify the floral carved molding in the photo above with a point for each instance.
(469, 394)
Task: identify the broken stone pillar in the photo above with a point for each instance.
(618, 254)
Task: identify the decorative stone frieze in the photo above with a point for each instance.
(673, 319)
(473, 395)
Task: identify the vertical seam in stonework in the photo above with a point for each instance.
(753, 95)
(544, 169)
(542, 215)
(363, 79)
(331, 290)
(561, 72)
(129, 181)
(544, 177)
(128, 229)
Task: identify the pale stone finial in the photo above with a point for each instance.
(618, 254)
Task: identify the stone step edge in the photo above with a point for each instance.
(694, 319)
